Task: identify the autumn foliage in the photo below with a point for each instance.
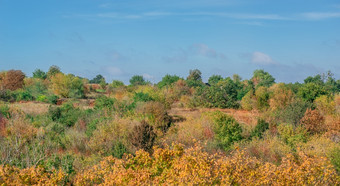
(193, 166)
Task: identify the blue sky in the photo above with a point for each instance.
(290, 39)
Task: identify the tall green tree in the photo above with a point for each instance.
(262, 78)
(137, 80)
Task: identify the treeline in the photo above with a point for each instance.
(58, 128)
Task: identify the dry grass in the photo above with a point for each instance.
(33, 108)
(241, 116)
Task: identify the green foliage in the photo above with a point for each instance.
(104, 102)
(5, 111)
(137, 80)
(310, 91)
(335, 158)
(66, 114)
(23, 95)
(316, 79)
(68, 86)
(142, 97)
(52, 71)
(52, 99)
(262, 97)
(227, 130)
(7, 96)
(221, 95)
(214, 79)
(195, 75)
(36, 88)
(292, 135)
(262, 78)
(118, 150)
(168, 80)
(194, 79)
(292, 113)
(91, 127)
(259, 129)
(98, 79)
(116, 84)
(39, 74)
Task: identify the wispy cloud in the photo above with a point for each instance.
(195, 50)
(160, 14)
(320, 15)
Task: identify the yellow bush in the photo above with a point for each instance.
(193, 166)
(30, 176)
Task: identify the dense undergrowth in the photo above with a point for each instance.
(59, 129)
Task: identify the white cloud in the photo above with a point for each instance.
(261, 58)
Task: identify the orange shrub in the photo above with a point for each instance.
(193, 166)
(30, 176)
(14, 79)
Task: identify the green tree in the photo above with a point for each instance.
(310, 91)
(98, 79)
(194, 79)
(168, 80)
(53, 70)
(214, 79)
(262, 78)
(116, 84)
(137, 80)
(39, 74)
(67, 86)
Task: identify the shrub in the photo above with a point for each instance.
(5, 111)
(104, 102)
(290, 114)
(292, 135)
(281, 96)
(313, 121)
(13, 80)
(227, 130)
(325, 105)
(193, 166)
(23, 95)
(262, 98)
(248, 101)
(259, 129)
(36, 87)
(221, 95)
(168, 80)
(66, 114)
(156, 115)
(52, 99)
(335, 158)
(67, 86)
(268, 149)
(110, 136)
(142, 97)
(143, 136)
(7, 96)
(10, 175)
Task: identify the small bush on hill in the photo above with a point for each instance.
(143, 136)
